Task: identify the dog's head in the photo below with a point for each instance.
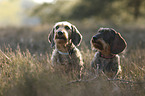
(108, 40)
(64, 32)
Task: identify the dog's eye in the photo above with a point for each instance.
(57, 27)
(66, 27)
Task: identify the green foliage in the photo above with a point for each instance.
(120, 10)
(87, 8)
(53, 12)
(135, 5)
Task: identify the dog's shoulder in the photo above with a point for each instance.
(76, 52)
(96, 59)
(77, 56)
(100, 60)
(54, 53)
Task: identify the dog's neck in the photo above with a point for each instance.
(107, 56)
(62, 53)
(65, 49)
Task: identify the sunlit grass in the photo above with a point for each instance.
(25, 65)
(26, 75)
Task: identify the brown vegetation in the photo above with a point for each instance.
(25, 68)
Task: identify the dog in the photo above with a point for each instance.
(65, 37)
(109, 44)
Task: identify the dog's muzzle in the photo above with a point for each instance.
(61, 35)
(96, 41)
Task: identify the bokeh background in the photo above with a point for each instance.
(27, 22)
(25, 64)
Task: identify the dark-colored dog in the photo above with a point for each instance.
(109, 43)
(65, 37)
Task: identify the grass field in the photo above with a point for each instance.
(25, 65)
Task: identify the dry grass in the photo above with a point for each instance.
(25, 70)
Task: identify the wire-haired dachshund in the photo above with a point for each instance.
(109, 44)
(65, 37)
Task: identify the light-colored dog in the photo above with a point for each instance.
(109, 44)
(65, 37)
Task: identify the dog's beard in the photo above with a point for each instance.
(60, 39)
(97, 45)
(101, 46)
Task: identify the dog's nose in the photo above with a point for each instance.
(60, 33)
(97, 36)
(94, 38)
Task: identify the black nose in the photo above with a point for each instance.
(97, 36)
(60, 33)
(94, 38)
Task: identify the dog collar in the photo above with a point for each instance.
(62, 53)
(108, 57)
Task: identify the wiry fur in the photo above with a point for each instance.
(66, 55)
(69, 62)
(111, 67)
(109, 43)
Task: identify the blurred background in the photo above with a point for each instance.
(25, 65)
(26, 23)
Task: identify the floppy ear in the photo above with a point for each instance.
(76, 36)
(51, 37)
(118, 44)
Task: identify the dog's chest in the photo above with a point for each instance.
(105, 64)
(64, 59)
(72, 59)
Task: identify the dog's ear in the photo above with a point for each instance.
(51, 37)
(118, 44)
(76, 36)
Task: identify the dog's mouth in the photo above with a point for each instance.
(60, 37)
(97, 44)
